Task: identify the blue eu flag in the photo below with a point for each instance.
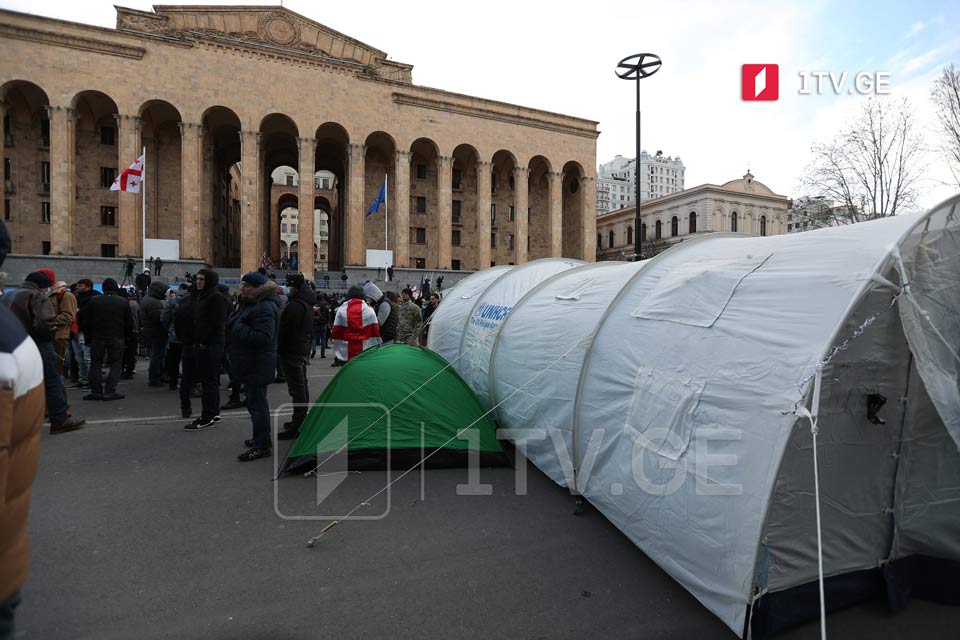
(378, 200)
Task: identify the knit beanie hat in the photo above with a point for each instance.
(255, 278)
(40, 279)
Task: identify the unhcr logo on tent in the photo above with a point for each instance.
(488, 316)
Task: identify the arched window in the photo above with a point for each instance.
(733, 221)
(599, 241)
(658, 231)
(643, 232)
(674, 227)
(763, 225)
(629, 235)
(611, 239)
(693, 222)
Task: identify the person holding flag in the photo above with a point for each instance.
(355, 327)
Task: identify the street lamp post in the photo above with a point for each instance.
(637, 67)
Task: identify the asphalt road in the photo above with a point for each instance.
(142, 530)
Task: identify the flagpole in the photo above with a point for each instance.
(386, 213)
(143, 211)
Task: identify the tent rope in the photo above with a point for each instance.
(813, 416)
(423, 460)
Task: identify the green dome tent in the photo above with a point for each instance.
(401, 401)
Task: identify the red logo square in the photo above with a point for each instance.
(760, 82)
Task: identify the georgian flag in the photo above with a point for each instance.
(355, 329)
(130, 179)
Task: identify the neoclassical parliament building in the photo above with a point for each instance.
(221, 97)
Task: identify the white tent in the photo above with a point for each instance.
(676, 395)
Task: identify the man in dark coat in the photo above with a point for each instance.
(109, 321)
(142, 282)
(85, 293)
(293, 348)
(184, 317)
(157, 265)
(208, 335)
(321, 328)
(31, 305)
(254, 332)
(154, 333)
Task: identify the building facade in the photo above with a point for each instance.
(473, 182)
(660, 176)
(741, 206)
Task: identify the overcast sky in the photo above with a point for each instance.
(560, 56)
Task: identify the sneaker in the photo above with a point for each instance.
(199, 424)
(253, 454)
(70, 424)
(113, 396)
(93, 396)
(216, 418)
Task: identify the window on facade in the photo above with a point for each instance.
(457, 204)
(493, 183)
(599, 241)
(455, 265)
(107, 176)
(510, 182)
(493, 263)
(45, 212)
(283, 227)
(629, 235)
(529, 214)
(6, 168)
(493, 241)
(511, 216)
(45, 132)
(293, 228)
(763, 225)
(658, 231)
(693, 222)
(420, 235)
(7, 134)
(455, 239)
(510, 241)
(419, 263)
(610, 239)
(45, 176)
(289, 179)
(421, 204)
(108, 216)
(108, 136)
(733, 221)
(674, 227)
(493, 214)
(45, 247)
(108, 250)
(7, 213)
(457, 179)
(421, 172)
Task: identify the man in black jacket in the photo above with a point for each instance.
(143, 282)
(209, 324)
(184, 317)
(85, 293)
(293, 349)
(109, 321)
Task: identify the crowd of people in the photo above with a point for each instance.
(193, 333)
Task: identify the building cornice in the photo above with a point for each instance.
(71, 41)
(411, 99)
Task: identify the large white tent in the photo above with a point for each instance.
(677, 396)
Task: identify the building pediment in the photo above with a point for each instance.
(258, 26)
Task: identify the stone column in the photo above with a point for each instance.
(520, 203)
(444, 211)
(353, 216)
(62, 167)
(588, 222)
(401, 235)
(305, 202)
(250, 217)
(129, 204)
(555, 215)
(484, 170)
(191, 163)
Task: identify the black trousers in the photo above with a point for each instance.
(208, 373)
(295, 371)
(172, 364)
(109, 351)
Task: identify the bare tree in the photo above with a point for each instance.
(871, 169)
(946, 98)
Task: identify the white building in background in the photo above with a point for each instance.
(324, 181)
(813, 212)
(660, 176)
